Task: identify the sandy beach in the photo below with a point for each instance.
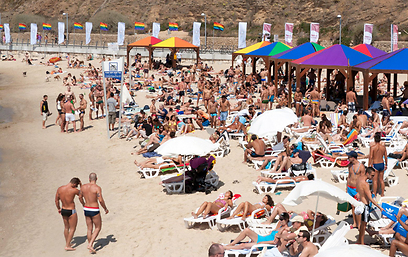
(143, 220)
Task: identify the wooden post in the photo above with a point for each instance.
(365, 90)
(150, 54)
(395, 83)
(286, 70)
(254, 59)
(319, 75)
(275, 73)
(289, 72)
(388, 75)
(269, 71)
(374, 87)
(328, 72)
(297, 76)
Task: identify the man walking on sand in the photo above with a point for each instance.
(45, 112)
(379, 161)
(92, 194)
(69, 114)
(82, 108)
(66, 195)
(355, 169)
(363, 189)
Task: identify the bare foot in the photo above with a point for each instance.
(69, 249)
(194, 215)
(136, 163)
(91, 250)
(243, 218)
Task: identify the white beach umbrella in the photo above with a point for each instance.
(186, 145)
(353, 250)
(318, 188)
(273, 121)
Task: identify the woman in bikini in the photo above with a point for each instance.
(213, 207)
(247, 208)
(188, 127)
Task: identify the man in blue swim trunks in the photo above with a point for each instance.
(259, 148)
(378, 154)
(272, 238)
(355, 169)
(224, 109)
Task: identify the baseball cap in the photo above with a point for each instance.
(297, 219)
(352, 154)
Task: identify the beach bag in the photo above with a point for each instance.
(344, 207)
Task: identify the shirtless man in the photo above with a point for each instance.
(343, 119)
(363, 189)
(362, 118)
(91, 102)
(70, 93)
(355, 169)
(81, 109)
(272, 92)
(302, 245)
(145, 70)
(351, 100)
(99, 101)
(386, 105)
(378, 154)
(212, 111)
(182, 92)
(355, 124)
(200, 89)
(224, 109)
(66, 195)
(298, 102)
(259, 148)
(69, 110)
(92, 194)
(153, 108)
(207, 94)
(315, 97)
(264, 74)
(264, 98)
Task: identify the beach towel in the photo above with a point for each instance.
(351, 137)
(317, 155)
(151, 154)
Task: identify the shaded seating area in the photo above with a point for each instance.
(147, 43)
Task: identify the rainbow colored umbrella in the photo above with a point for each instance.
(369, 50)
(270, 50)
(298, 52)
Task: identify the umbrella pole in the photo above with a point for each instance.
(185, 170)
(314, 219)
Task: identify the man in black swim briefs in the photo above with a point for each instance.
(66, 195)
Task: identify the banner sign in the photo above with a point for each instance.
(368, 33)
(113, 69)
(242, 28)
(196, 33)
(289, 33)
(266, 32)
(88, 30)
(314, 32)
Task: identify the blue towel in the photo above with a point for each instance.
(151, 154)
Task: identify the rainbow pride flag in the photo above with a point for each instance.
(46, 26)
(218, 26)
(1, 27)
(78, 25)
(22, 26)
(103, 26)
(139, 26)
(173, 26)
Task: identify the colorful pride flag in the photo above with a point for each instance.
(22, 26)
(139, 26)
(78, 25)
(1, 27)
(103, 26)
(218, 26)
(46, 26)
(173, 26)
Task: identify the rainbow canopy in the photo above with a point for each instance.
(270, 50)
(369, 50)
(334, 56)
(145, 42)
(174, 42)
(252, 47)
(388, 63)
(298, 51)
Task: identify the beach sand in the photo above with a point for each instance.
(143, 220)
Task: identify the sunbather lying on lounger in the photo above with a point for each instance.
(213, 207)
(248, 208)
(156, 162)
(402, 155)
(286, 162)
(296, 179)
(272, 238)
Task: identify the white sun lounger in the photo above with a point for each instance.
(223, 224)
(152, 173)
(211, 220)
(265, 187)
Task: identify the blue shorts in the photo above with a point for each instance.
(213, 114)
(206, 123)
(379, 166)
(253, 154)
(352, 191)
(223, 116)
(271, 98)
(386, 113)
(263, 79)
(267, 238)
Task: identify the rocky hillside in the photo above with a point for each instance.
(301, 12)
